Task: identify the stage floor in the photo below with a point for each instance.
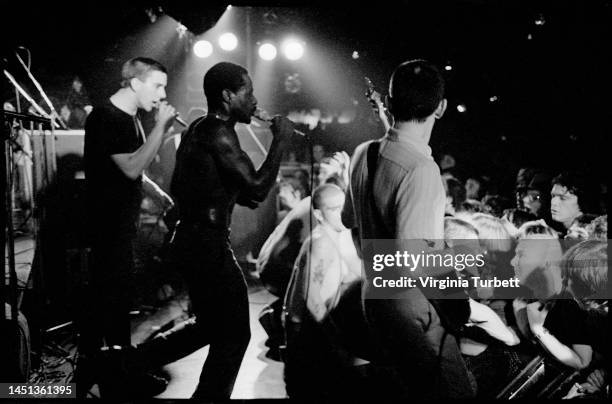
(259, 376)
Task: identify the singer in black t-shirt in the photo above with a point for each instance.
(116, 154)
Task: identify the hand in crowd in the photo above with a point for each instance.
(342, 161)
(288, 196)
(536, 314)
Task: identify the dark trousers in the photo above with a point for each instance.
(314, 369)
(425, 358)
(219, 299)
(104, 318)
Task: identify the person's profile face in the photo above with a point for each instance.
(77, 85)
(472, 187)
(318, 152)
(532, 201)
(243, 102)
(563, 205)
(528, 256)
(152, 90)
(332, 211)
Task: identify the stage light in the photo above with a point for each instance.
(229, 7)
(448, 68)
(203, 49)
(355, 55)
(228, 41)
(461, 108)
(493, 98)
(267, 51)
(293, 49)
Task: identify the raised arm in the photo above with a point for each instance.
(233, 160)
(134, 164)
(484, 317)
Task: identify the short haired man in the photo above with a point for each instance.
(326, 265)
(212, 174)
(115, 157)
(397, 193)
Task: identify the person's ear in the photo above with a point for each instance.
(135, 83)
(441, 109)
(318, 215)
(227, 96)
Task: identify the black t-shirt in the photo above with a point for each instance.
(571, 324)
(114, 199)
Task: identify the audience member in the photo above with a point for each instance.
(536, 260)
(536, 198)
(455, 195)
(578, 229)
(326, 265)
(476, 187)
(572, 327)
(513, 219)
(495, 205)
(79, 103)
(571, 196)
(598, 228)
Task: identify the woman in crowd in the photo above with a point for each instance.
(572, 328)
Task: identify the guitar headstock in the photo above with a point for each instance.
(369, 86)
(377, 103)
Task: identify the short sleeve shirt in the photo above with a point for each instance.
(113, 198)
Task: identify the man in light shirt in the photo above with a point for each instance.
(396, 193)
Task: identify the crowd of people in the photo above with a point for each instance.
(549, 232)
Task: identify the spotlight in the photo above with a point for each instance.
(355, 55)
(461, 108)
(293, 49)
(267, 51)
(228, 41)
(493, 98)
(203, 49)
(448, 68)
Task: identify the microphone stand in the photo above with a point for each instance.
(30, 99)
(54, 113)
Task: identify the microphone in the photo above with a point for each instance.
(179, 120)
(262, 115)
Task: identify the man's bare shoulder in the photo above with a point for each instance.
(322, 244)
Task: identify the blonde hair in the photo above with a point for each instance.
(492, 232)
(536, 227)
